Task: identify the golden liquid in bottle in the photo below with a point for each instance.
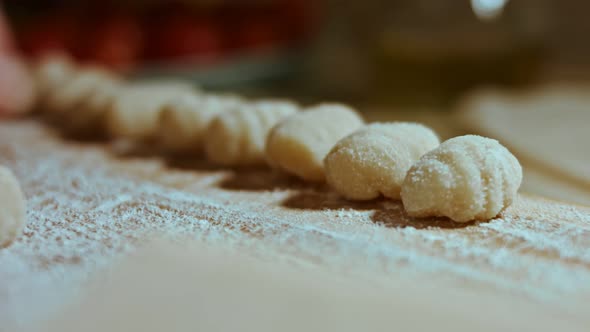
(432, 61)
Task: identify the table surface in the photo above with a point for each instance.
(90, 203)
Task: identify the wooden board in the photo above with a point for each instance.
(91, 203)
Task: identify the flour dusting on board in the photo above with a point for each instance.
(87, 207)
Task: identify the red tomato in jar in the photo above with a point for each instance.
(300, 17)
(51, 34)
(117, 42)
(257, 33)
(184, 36)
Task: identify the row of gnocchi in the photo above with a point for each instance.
(465, 178)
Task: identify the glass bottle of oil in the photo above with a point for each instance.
(429, 52)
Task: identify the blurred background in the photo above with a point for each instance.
(392, 59)
(391, 51)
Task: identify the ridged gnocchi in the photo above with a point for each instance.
(184, 121)
(237, 137)
(12, 208)
(50, 73)
(89, 117)
(135, 112)
(374, 160)
(76, 90)
(299, 144)
(466, 178)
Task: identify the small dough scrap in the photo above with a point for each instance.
(51, 73)
(374, 160)
(466, 178)
(184, 121)
(13, 213)
(236, 138)
(299, 144)
(136, 110)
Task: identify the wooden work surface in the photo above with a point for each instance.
(89, 203)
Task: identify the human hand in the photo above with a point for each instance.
(17, 90)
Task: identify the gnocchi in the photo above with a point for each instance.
(135, 112)
(466, 178)
(75, 90)
(374, 160)
(88, 117)
(12, 208)
(236, 138)
(299, 144)
(50, 73)
(184, 121)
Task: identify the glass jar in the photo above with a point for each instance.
(428, 52)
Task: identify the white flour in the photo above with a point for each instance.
(87, 208)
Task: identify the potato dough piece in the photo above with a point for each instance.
(299, 144)
(76, 90)
(375, 159)
(135, 112)
(88, 118)
(465, 178)
(184, 121)
(12, 208)
(50, 74)
(237, 137)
